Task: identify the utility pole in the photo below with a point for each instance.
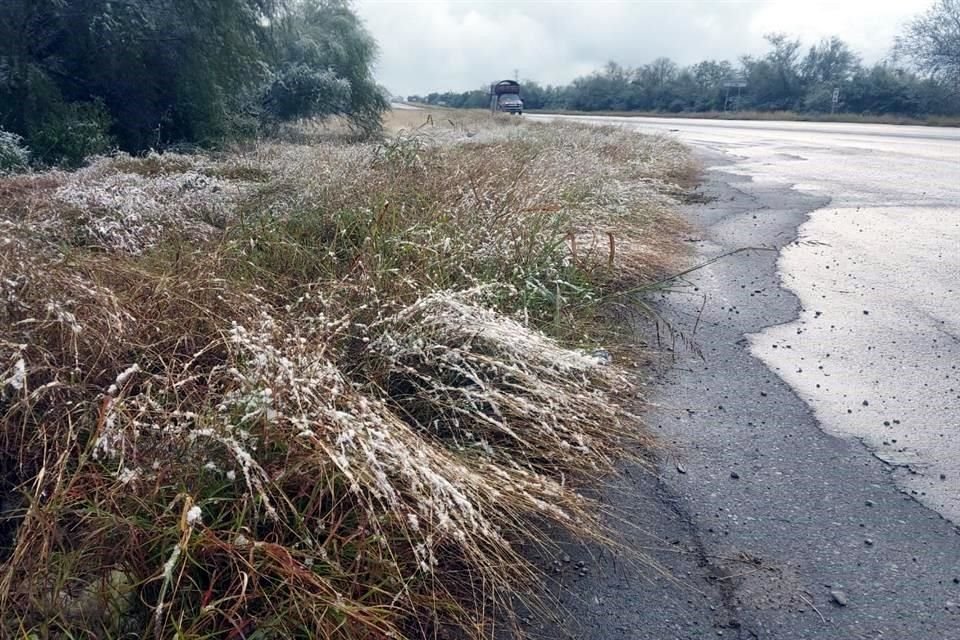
(516, 75)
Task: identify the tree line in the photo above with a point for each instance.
(922, 79)
(78, 77)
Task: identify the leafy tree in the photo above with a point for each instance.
(476, 99)
(652, 85)
(163, 70)
(42, 98)
(301, 91)
(606, 90)
(536, 96)
(831, 60)
(829, 65)
(77, 76)
(709, 78)
(325, 59)
(884, 90)
(932, 42)
(661, 72)
(774, 81)
(782, 79)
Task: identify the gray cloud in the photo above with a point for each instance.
(429, 45)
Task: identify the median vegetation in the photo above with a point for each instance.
(315, 387)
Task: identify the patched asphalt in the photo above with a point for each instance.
(760, 524)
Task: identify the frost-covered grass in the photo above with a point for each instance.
(317, 391)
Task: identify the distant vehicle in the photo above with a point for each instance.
(505, 97)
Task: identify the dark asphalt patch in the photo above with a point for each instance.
(760, 518)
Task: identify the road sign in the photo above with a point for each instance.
(737, 83)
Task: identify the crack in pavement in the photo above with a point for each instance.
(767, 516)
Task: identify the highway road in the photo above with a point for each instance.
(810, 485)
(875, 350)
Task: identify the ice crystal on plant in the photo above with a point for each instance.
(194, 516)
(18, 377)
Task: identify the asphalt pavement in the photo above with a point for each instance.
(774, 509)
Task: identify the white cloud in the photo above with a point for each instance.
(428, 45)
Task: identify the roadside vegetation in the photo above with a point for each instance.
(315, 387)
(84, 78)
(919, 81)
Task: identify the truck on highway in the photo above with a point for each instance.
(505, 97)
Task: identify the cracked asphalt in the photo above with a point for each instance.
(758, 523)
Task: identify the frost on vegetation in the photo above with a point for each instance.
(11, 284)
(385, 463)
(122, 379)
(130, 212)
(111, 440)
(16, 376)
(494, 378)
(14, 156)
(56, 311)
(337, 175)
(126, 475)
(440, 424)
(194, 516)
(257, 480)
(128, 205)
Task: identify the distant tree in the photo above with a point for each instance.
(652, 85)
(774, 82)
(661, 71)
(782, 79)
(534, 96)
(711, 74)
(832, 60)
(604, 90)
(476, 99)
(828, 66)
(884, 90)
(710, 77)
(537, 96)
(932, 42)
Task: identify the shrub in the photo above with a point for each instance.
(14, 156)
(302, 92)
(72, 133)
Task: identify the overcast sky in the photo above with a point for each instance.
(437, 45)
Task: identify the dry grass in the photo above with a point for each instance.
(306, 390)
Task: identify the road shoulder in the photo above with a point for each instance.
(772, 528)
